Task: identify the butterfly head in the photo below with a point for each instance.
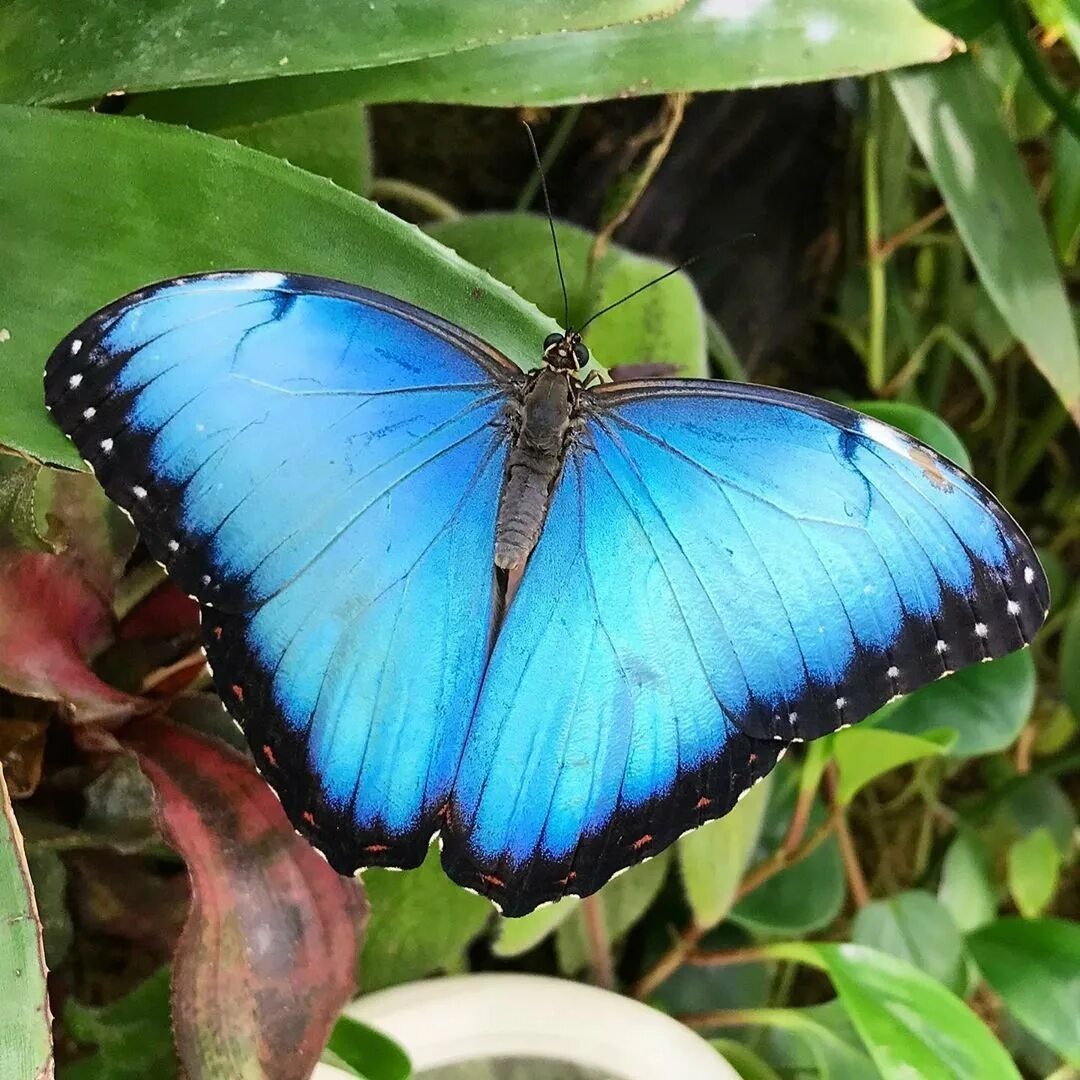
(565, 351)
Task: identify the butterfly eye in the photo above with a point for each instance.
(551, 340)
(581, 355)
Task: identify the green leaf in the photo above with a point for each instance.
(18, 518)
(517, 936)
(1070, 659)
(665, 324)
(965, 18)
(709, 45)
(133, 1035)
(987, 705)
(966, 887)
(25, 1034)
(369, 1053)
(915, 927)
(818, 1042)
(954, 120)
(92, 207)
(712, 859)
(921, 423)
(83, 49)
(1034, 966)
(1037, 802)
(624, 900)
(420, 922)
(745, 1061)
(910, 1023)
(1034, 868)
(864, 753)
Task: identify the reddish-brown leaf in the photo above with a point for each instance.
(165, 613)
(51, 622)
(267, 957)
(22, 747)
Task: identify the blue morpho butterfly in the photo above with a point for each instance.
(559, 623)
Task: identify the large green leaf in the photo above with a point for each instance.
(1034, 965)
(910, 1023)
(712, 859)
(665, 324)
(420, 922)
(954, 119)
(67, 50)
(709, 45)
(918, 928)
(986, 705)
(864, 753)
(25, 1035)
(92, 207)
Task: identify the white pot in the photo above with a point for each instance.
(552, 1023)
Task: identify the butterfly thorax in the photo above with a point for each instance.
(542, 427)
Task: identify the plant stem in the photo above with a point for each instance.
(402, 191)
(875, 263)
(552, 150)
(860, 891)
(887, 248)
(1016, 30)
(592, 913)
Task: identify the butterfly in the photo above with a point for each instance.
(557, 623)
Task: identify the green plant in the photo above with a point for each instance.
(900, 898)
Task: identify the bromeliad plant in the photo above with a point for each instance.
(900, 899)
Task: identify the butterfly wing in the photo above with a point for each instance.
(724, 570)
(319, 466)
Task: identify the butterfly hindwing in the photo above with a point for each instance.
(724, 570)
(319, 466)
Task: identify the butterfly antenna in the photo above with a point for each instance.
(551, 224)
(656, 280)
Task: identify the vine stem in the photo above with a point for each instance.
(424, 200)
(592, 914)
(860, 891)
(875, 262)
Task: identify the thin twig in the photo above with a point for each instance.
(887, 248)
(592, 913)
(875, 264)
(860, 891)
(671, 119)
(727, 957)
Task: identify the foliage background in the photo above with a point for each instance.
(903, 895)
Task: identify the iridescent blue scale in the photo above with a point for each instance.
(723, 570)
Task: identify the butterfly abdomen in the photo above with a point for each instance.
(534, 464)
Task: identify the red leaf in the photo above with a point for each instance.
(267, 957)
(51, 621)
(165, 613)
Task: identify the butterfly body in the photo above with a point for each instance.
(557, 624)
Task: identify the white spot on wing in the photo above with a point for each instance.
(841, 702)
(1013, 607)
(139, 491)
(90, 413)
(74, 381)
(76, 345)
(893, 672)
(980, 629)
(941, 647)
(173, 545)
(1029, 574)
(106, 445)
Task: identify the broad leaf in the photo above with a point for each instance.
(369, 1053)
(267, 957)
(665, 324)
(54, 623)
(915, 927)
(82, 49)
(25, 1034)
(421, 922)
(1034, 866)
(966, 888)
(516, 936)
(954, 119)
(987, 705)
(864, 753)
(709, 45)
(92, 207)
(910, 1023)
(712, 859)
(1034, 965)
